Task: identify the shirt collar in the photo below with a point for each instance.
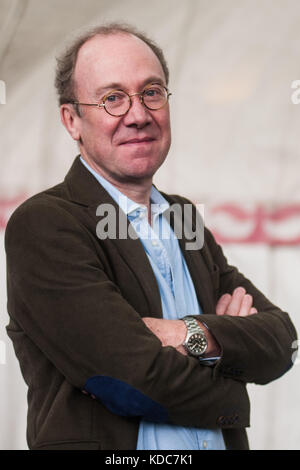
(131, 208)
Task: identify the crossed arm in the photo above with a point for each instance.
(62, 299)
(173, 332)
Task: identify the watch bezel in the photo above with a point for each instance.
(189, 344)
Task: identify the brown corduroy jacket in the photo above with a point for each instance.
(75, 304)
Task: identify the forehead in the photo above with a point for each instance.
(116, 58)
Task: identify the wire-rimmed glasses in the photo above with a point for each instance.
(117, 102)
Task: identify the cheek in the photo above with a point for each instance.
(166, 136)
(165, 126)
(99, 132)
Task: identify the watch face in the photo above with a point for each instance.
(197, 344)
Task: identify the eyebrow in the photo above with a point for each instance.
(100, 92)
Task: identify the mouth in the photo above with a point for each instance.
(145, 140)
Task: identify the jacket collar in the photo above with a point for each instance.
(83, 188)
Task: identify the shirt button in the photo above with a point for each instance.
(154, 242)
(204, 444)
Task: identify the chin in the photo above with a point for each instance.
(140, 175)
(143, 169)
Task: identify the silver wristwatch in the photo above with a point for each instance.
(195, 342)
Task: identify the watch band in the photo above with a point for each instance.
(192, 325)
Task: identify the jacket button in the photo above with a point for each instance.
(227, 420)
(221, 420)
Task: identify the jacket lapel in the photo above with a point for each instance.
(85, 190)
(182, 225)
(200, 277)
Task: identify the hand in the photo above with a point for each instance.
(173, 333)
(169, 332)
(237, 304)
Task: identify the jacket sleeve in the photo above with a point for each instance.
(61, 297)
(257, 348)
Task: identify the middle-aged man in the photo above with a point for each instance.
(130, 342)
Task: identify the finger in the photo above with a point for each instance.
(236, 301)
(246, 305)
(222, 304)
(253, 310)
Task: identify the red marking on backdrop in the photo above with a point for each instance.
(7, 207)
(263, 222)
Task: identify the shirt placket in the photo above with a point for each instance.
(161, 255)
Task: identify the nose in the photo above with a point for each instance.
(138, 115)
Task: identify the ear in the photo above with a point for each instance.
(70, 120)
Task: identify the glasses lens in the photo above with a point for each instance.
(155, 96)
(117, 103)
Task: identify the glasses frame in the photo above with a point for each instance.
(141, 95)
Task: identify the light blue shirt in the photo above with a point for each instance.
(178, 299)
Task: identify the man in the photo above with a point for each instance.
(96, 320)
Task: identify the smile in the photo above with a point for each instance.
(146, 140)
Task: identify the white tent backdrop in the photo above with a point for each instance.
(235, 149)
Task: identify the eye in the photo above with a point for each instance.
(116, 101)
(150, 92)
(154, 91)
(114, 97)
(154, 94)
